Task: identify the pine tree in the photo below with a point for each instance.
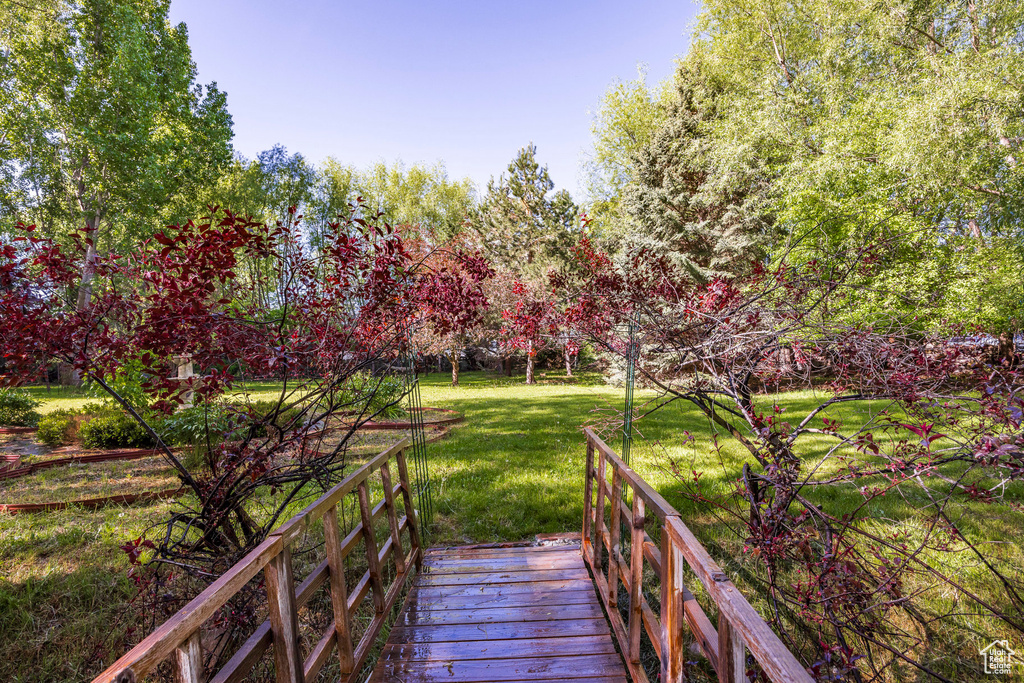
(520, 225)
(685, 203)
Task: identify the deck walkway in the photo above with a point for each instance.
(501, 614)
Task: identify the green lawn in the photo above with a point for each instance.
(514, 469)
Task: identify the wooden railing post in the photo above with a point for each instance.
(588, 503)
(372, 559)
(636, 578)
(673, 619)
(615, 536)
(732, 653)
(188, 660)
(339, 591)
(389, 503)
(410, 511)
(599, 511)
(741, 628)
(283, 617)
(179, 638)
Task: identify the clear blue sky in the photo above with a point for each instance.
(467, 83)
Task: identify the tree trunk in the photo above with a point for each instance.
(453, 358)
(785, 360)
(1005, 351)
(530, 354)
(507, 366)
(67, 376)
(568, 363)
(975, 229)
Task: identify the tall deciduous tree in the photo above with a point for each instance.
(420, 195)
(103, 121)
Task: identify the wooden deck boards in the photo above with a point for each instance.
(501, 614)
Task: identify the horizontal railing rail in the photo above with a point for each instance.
(740, 628)
(179, 638)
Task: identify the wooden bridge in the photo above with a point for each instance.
(510, 612)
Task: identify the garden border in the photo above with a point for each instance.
(18, 430)
(88, 503)
(122, 454)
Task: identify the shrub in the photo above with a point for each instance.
(129, 383)
(261, 411)
(188, 426)
(114, 431)
(370, 394)
(17, 409)
(57, 428)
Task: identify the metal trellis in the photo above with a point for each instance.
(627, 415)
(424, 490)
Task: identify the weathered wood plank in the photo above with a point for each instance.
(588, 498)
(339, 590)
(659, 506)
(599, 530)
(372, 558)
(410, 617)
(237, 668)
(482, 590)
(188, 660)
(159, 644)
(410, 512)
(673, 644)
(418, 601)
(636, 578)
(587, 679)
(297, 525)
(773, 656)
(526, 668)
(369, 639)
(455, 553)
(703, 631)
(732, 654)
(547, 561)
(536, 647)
(533, 629)
(389, 499)
(615, 541)
(496, 578)
(318, 657)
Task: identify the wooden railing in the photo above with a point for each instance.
(740, 627)
(179, 638)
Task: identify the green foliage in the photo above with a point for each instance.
(419, 195)
(57, 428)
(706, 213)
(625, 122)
(114, 431)
(369, 394)
(103, 123)
(814, 126)
(519, 226)
(126, 381)
(17, 409)
(194, 425)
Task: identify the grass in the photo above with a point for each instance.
(81, 481)
(514, 469)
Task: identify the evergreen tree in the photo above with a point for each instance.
(685, 202)
(520, 225)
